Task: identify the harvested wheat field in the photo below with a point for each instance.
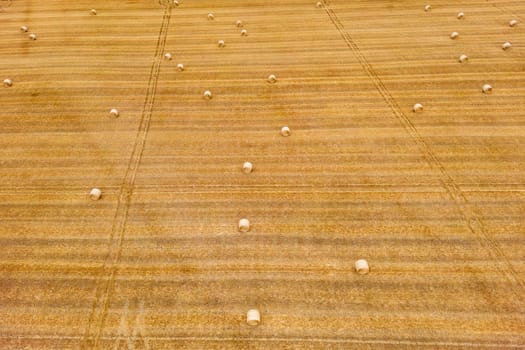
(207, 174)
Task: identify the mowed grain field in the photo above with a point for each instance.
(434, 201)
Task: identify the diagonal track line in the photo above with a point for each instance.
(467, 211)
(106, 280)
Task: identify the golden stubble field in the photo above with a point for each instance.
(434, 200)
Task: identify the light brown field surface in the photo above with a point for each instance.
(435, 201)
